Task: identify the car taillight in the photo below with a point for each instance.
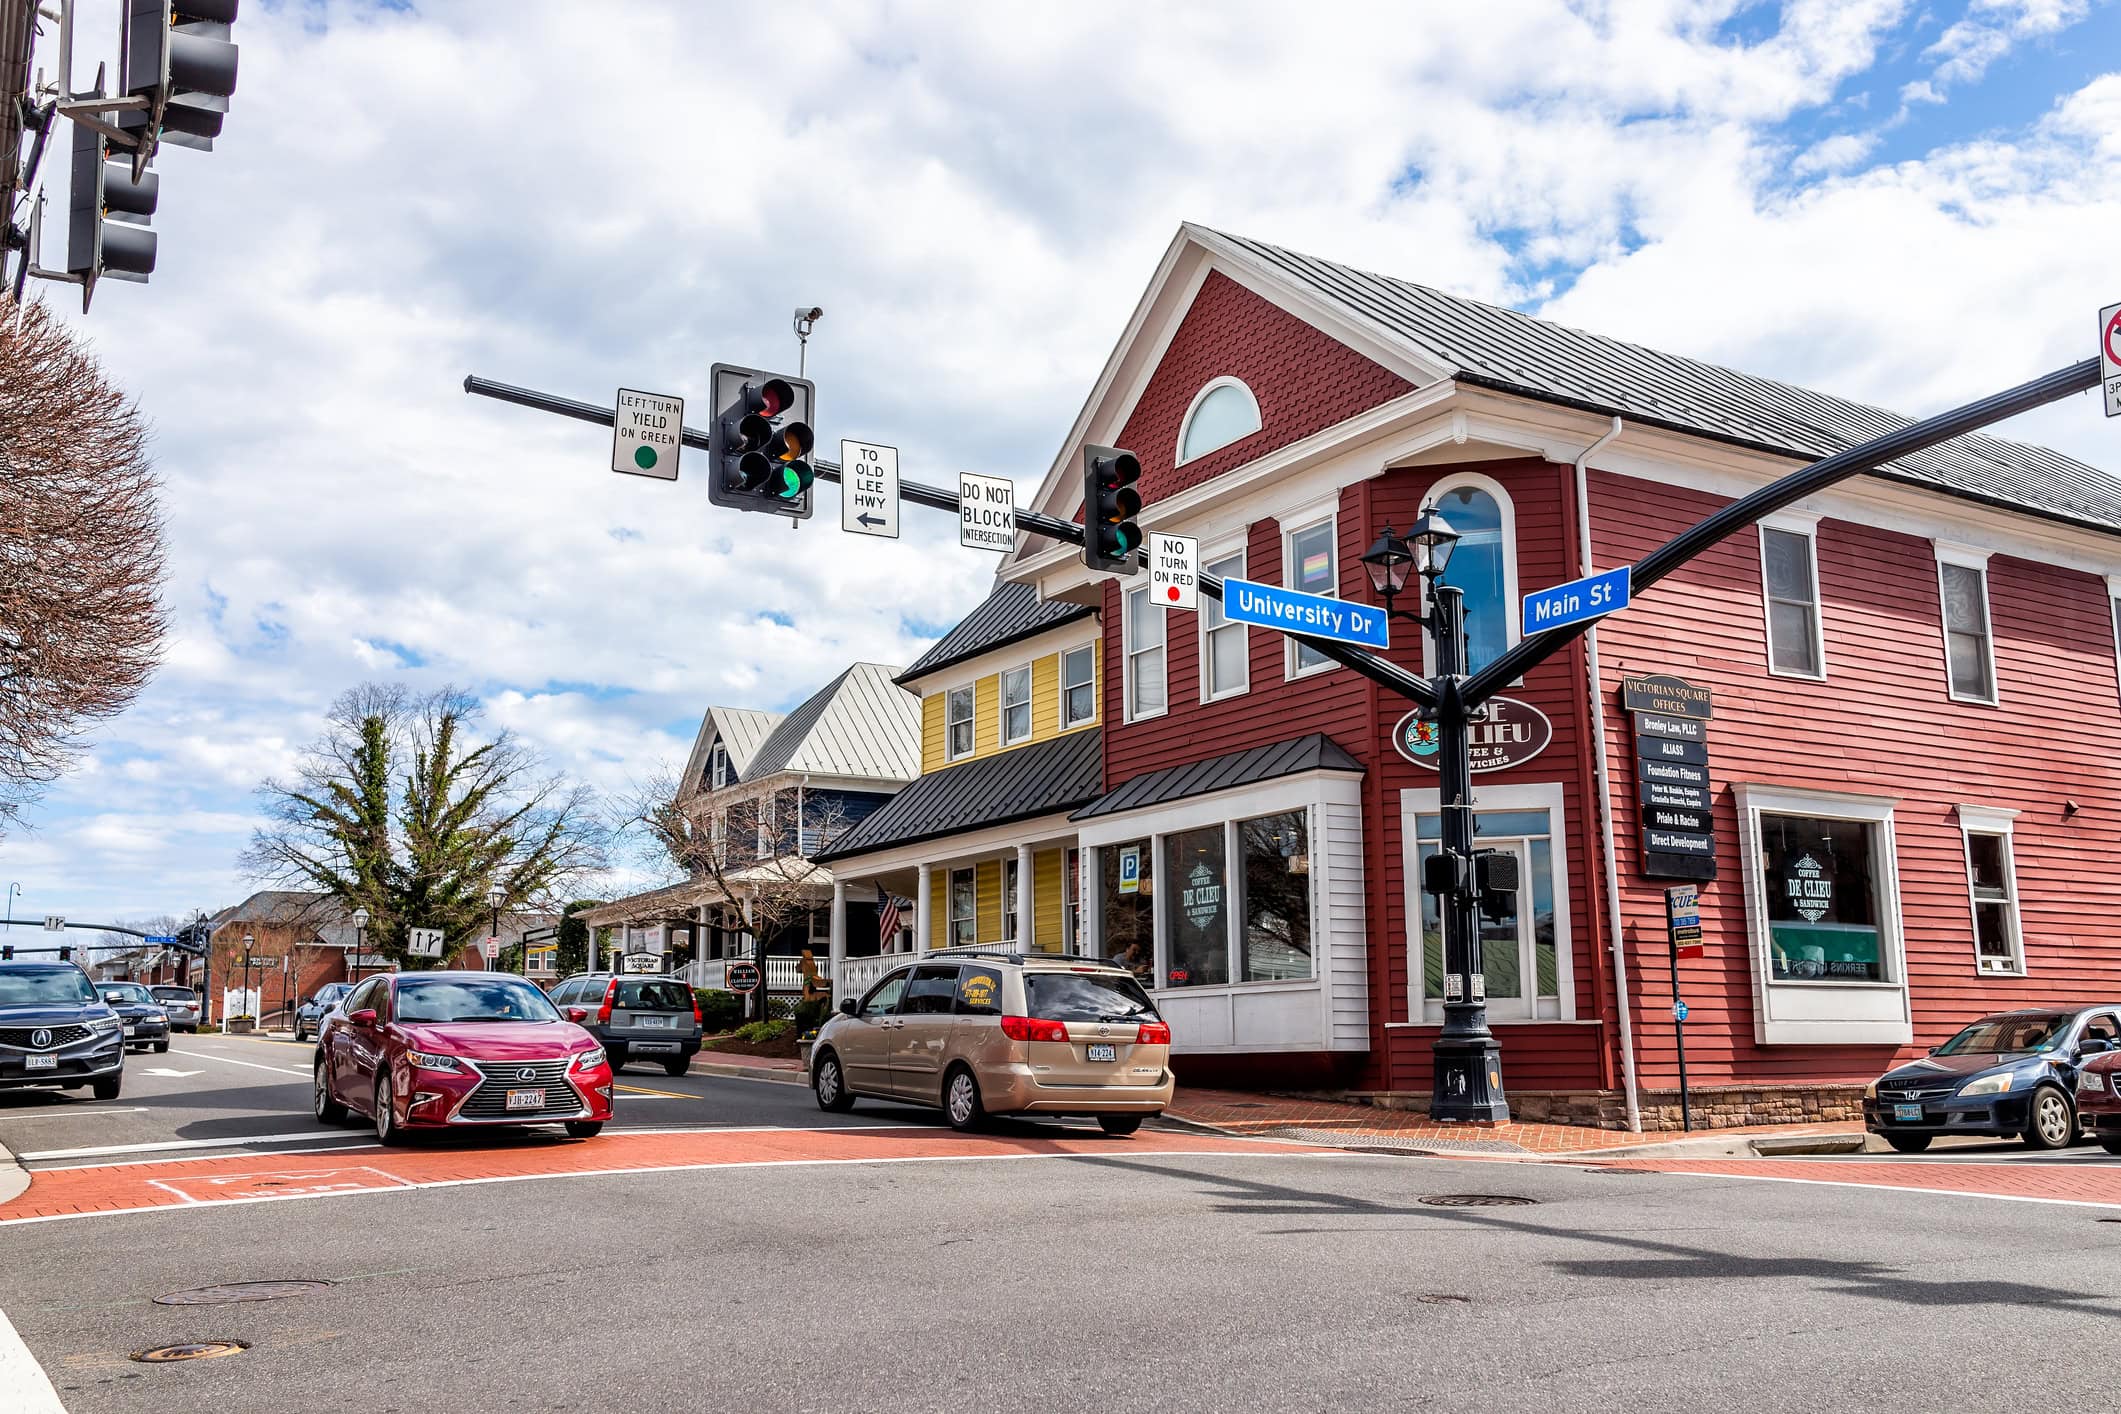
(1153, 1033)
(699, 1018)
(611, 992)
(1030, 1028)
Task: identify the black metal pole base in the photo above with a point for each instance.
(1468, 1082)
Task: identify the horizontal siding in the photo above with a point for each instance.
(1045, 691)
(931, 732)
(1047, 870)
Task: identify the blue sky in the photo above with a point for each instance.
(1908, 203)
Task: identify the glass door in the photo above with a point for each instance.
(1519, 965)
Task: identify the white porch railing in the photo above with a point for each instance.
(782, 974)
(858, 974)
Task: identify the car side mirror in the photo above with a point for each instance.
(366, 1016)
(2094, 1045)
(578, 1014)
(848, 1007)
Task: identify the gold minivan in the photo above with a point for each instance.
(982, 1031)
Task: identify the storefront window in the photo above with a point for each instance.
(1277, 902)
(1519, 958)
(1822, 899)
(1129, 896)
(1197, 919)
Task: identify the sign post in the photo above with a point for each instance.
(646, 431)
(1682, 916)
(1174, 571)
(868, 489)
(2110, 357)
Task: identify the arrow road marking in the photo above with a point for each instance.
(231, 1060)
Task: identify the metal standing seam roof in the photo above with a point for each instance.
(1012, 612)
(860, 724)
(1490, 346)
(743, 730)
(1316, 752)
(1021, 783)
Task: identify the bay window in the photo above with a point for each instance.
(1310, 563)
(1224, 671)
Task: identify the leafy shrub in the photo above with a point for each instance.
(760, 1033)
(718, 1010)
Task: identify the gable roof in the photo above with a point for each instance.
(860, 724)
(1019, 784)
(1489, 346)
(743, 731)
(1316, 752)
(1011, 613)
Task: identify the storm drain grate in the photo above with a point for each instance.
(227, 1293)
(1476, 1200)
(1380, 1143)
(196, 1350)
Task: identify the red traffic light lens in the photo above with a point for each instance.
(775, 397)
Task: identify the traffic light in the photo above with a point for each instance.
(1110, 504)
(109, 210)
(7, 952)
(178, 57)
(759, 444)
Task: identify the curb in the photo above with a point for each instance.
(750, 1072)
(14, 1179)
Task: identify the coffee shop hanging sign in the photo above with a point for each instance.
(1510, 734)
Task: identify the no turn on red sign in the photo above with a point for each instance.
(2110, 357)
(1174, 571)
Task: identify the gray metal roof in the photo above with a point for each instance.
(1316, 752)
(1012, 612)
(743, 731)
(1019, 784)
(1486, 345)
(860, 724)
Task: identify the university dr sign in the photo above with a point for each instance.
(1511, 734)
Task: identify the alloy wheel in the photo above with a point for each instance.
(385, 1120)
(962, 1098)
(2051, 1114)
(828, 1081)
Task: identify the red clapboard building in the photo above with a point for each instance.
(1893, 712)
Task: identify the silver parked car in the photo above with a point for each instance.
(182, 1004)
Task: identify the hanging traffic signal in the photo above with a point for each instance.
(760, 442)
(178, 57)
(1110, 504)
(107, 233)
(7, 952)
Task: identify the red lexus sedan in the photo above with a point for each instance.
(432, 1050)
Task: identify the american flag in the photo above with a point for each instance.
(887, 920)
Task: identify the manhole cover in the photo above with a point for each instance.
(233, 1291)
(1476, 1200)
(197, 1350)
(1443, 1298)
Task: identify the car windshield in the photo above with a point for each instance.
(2021, 1033)
(174, 994)
(655, 996)
(472, 999)
(45, 986)
(128, 993)
(330, 995)
(1086, 996)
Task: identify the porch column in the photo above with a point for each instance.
(1091, 894)
(1026, 902)
(838, 935)
(923, 909)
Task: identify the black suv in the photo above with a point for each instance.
(146, 1023)
(636, 1018)
(55, 1030)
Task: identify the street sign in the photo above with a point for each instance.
(1292, 611)
(491, 947)
(1678, 1011)
(2110, 357)
(54, 923)
(1682, 913)
(986, 512)
(743, 977)
(160, 940)
(1672, 776)
(868, 489)
(641, 962)
(646, 431)
(1672, 696)
(1174, 571)
(423, 942)
(1578, 600)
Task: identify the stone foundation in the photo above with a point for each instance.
(1714, 1106)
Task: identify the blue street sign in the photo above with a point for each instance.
(159, 941)
(1678, 1011)
(1576, 601)
(1292, 611)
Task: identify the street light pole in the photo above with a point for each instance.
(12, 890)
(249, 942)
(360, 931)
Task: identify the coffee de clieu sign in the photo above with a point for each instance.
(1672, 785)
(1511, 734)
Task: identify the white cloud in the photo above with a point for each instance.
(1989, 30)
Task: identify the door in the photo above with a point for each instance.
(361, 1046)
(923, 1033)
(864, 1045)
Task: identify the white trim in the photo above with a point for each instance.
(1127, 652)
(1454, 480)
(1001, 696)
(1988, 631)
(950, 751)
(950, 919)
(1238, 550)
(1806, 528)
(1057, 639)
(1546, 795)
(1997, 821)
(1060, 715)
(1290, 529)
(1185, 424)
(2113, 617)
(1952, 552)
(1787, 1012)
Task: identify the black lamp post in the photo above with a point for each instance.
(249, 943)
(360, 929)
(496, 896)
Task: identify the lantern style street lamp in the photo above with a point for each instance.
(249, 943)
(496, 896)
(360, 929)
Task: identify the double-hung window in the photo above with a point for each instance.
(964, 908)
(1992, 882)
(1078, 703)
(718, 766)
(1310, 564)
(957, 722)
(1224, 671)
(1144, 629)
(1016, 705)
(1789, 571)
(1009, 880)
(1969, 651)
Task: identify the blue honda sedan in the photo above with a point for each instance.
(2011, 1074)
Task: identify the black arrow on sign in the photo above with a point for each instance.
(866, 519)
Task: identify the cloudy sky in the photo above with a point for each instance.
(1912, 202)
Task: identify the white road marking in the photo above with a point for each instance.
(231, 1060)
(103, 1150)
(173, 1074)
(70, 1112)
(202, 1158)
(1899, 1188)
(29, 1390)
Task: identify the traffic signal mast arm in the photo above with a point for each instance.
(1386, 674)
(1747, 510)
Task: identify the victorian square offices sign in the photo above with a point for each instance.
(1672, 786)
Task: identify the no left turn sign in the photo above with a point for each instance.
(2110, 357)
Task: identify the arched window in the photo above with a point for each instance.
(1484, 564)
(1222, 412)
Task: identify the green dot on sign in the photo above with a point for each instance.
(644, 458)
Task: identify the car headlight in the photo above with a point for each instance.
(104, 1023)
(589, 1060)
(2091, 1080)
(1988, 1084)
(1870, 1091)
(423, 1061)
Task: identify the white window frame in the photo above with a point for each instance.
(1292, 528)
(1128, 652)
(1222, 554)
(1794, 1011)
(1002, 691)
(1995, 821)
(1511, 597)
(1975, 559)
(763, 814)
(1808, 527)
(1009, 885)
(950, 918)
(1089, 651)
(718, 765)
(971, 720)
(2113, 601)
(718, 839)
(1546, 795)
(1185, 424)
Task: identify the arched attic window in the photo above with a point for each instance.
(1484, 564)
(1222, 413)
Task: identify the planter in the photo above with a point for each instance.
(241, 1026)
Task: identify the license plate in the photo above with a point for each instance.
(1908, 1114)
(1102, 1053)
(526, 1099)
(651, 1021)
(40, 1062)
(131, 1029)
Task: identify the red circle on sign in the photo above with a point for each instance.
(1173, 591)
(2112, 335)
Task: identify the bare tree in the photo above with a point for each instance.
(81, 554)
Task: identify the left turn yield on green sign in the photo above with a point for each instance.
(647, 429)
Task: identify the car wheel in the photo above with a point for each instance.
(676, 1065)
(830, 1085)
(1119, 1126)
(2049, 1121)
(584, 1128)
(108, 1087)
(961, 1103)
(328, 1110)
(388, 1130)
(1908, 1143)
(161, 1047)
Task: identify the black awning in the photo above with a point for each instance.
(1316, 752)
